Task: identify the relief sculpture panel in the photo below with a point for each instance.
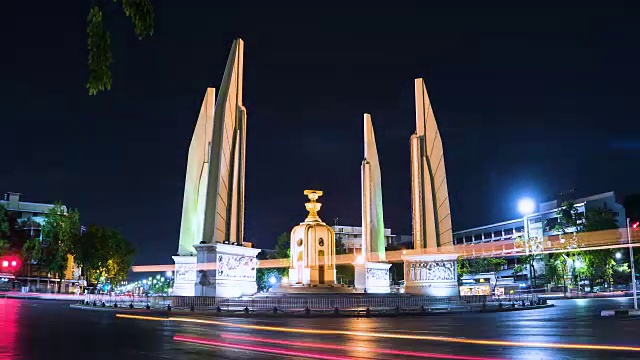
(377, 275)
(185, 272)
(441, 271)
(237, 267)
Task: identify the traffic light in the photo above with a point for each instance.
(9, 263)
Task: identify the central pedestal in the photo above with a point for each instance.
(226, 270)
(372, 277)
(431, 275)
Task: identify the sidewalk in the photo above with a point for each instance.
(42, 296)
(300, 313)
(560, 295)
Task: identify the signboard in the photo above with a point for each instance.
(475, 290)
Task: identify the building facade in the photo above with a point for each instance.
(536, 225)
(541, 223)
(351, 237)
(28, 219)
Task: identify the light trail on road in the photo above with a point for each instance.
(393, 336)
(351, 348)
(262, 349)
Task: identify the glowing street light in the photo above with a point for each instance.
(169, 273)
(272, 280)
(618, 255)
(526, 206)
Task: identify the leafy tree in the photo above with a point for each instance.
(263, 276)
(480, 265)
(283, 246)
(5, 230)
(140, 12)
(340, 248)
(104, 255)
(59, 232)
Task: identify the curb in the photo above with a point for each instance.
(620, 312)
(507, 309)
(301, 313)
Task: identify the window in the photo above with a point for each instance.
(497, 234)
(520, 229)
(508, 231)
(487, 236)
(468, 238)
(477, 237)
(460, 240)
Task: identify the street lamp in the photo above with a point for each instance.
(526, 207)
(633, 268)
(169, 273)
(618, 255)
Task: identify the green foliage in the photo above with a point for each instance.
(554, 268)
(60, 232)
(99, 46)
(340, 248)
(598, 265)
(283, 246)
(480, 265)
(263, 275)
(5, 230)
(4, 223)
(104, 254)
(345, 274)
(140, 12)
(599, 219)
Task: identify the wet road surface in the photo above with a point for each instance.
(33, 329)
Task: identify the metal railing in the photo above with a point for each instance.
(315, 303)
(308, 303)
(127, 300)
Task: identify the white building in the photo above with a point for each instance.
(351, 237)
(30, 217)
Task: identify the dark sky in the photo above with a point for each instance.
(529, 101)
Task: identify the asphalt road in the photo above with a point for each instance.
(34, 329)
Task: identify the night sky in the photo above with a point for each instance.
(529, 101)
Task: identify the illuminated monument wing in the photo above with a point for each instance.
(429, 193)
(373, 241)
(370, 274)
(426, 270)
(213, 206)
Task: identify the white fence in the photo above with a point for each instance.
(316, 303)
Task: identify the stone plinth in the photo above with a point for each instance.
(431, 275)
(185, 275)
(372, 277)
(226, 270)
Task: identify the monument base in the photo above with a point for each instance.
(372, 277)
(226, 270)
(184, 275)
(431, 275)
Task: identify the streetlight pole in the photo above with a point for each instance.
(633, 267)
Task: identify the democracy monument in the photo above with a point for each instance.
(213, 259)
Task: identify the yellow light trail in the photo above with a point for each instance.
(393, 336)
(595, 240)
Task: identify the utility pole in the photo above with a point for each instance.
(633, 267)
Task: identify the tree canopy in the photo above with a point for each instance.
(5, 230)
(60, 232)
(104, 254)
(141, 14)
